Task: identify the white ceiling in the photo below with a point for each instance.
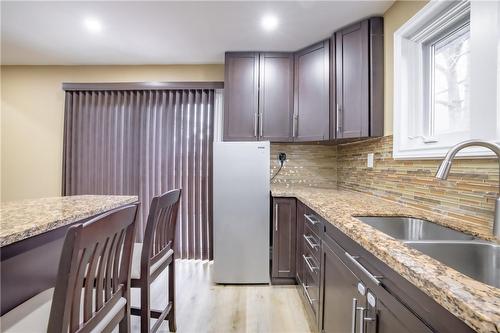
(182, 32)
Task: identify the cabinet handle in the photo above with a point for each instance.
(353, 313)
(354, 260)
(339, 118)
(309, 299)
(276, 222)
(311, 267)
(311, 244)
(310, 219)
(364, 320)
(260, 124)
(255, 121)
(361, 319)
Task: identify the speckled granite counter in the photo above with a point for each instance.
(477, 304)
(27, 218)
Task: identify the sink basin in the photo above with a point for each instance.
(476, 259)
(407, 228)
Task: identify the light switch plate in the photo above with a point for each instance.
(369, 160)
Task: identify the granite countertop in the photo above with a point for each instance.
(475, 303)
(27, 218)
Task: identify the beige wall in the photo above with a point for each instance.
(394, 17)
(32, 105)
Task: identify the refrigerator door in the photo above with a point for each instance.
(241, 212)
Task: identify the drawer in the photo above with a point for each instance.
(310, 263)
(314, 222)
(310, 288)
(312, 242)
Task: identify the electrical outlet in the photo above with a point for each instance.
(281, 158)
(369, 161)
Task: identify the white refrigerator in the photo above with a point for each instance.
(241, 212)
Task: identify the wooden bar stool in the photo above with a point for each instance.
(92, 292)
(153, 256)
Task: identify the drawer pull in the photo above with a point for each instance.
(354, 260)
(309, 299)
(311, 267)
(310, 242)
(310, 219)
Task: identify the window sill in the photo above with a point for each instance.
(439, 153)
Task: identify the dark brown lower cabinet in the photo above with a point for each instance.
(391, 318)
(340, 297)
(284, 240)
(349, 305)
(345, 288)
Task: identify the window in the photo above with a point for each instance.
(449, 72)
(441, 94)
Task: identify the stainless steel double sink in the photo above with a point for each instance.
(475, 258)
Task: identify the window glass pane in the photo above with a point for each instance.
(451, 83)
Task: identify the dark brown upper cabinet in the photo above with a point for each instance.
(311, 107)
(358, 89)
(241, 99)
(258, 96)
(276, 97)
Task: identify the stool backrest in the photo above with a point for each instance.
(159, 236)
(94, 272)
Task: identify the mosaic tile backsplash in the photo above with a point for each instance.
(468, 194)
(306, 165)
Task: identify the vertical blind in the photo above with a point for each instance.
(145, 142)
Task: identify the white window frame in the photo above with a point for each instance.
(411, 100)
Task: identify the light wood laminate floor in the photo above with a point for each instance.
(203, 306)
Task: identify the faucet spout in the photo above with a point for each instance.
(445, 167)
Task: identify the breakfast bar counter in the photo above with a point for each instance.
(31, 237)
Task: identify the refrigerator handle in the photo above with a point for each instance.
(260, 125)
(256, 120)
(276, 223)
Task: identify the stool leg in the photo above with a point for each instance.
(172, 325)
(124, 325)
(145, 307)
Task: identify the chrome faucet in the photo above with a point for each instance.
(444, 170)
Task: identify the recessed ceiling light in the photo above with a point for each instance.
(92, 24)
(269, 22)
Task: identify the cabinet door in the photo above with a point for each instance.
(299, 264)
(340, 296)
(376, 76)
(284, 237)
(276, 97)
(390, 316)
(398, 319)
(241, 93)
(333, 89)
(352, 73)
(311, 107)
